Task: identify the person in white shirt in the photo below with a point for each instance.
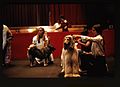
(62, 23)
(97, 50)
(40, 41)
(6, 46)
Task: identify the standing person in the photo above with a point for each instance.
(1, 43)
(7, 37)
(62, 23)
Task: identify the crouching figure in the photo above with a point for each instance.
(40, 48)
(40, 54)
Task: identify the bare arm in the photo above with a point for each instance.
(84, 44)
(57, 26)
(95, 39)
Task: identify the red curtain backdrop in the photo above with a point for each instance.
(35, 14)
(74, 13)
(16, 15)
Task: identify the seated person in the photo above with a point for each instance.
(62, 24)
(40, 49)
(97, 50)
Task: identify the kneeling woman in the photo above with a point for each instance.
(97, 50)
(38, 47)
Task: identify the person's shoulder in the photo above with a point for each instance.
(99, 36)
(5, 26)
(34, 37)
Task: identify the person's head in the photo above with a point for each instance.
(96, 29)
(41, 31)
(62, 17)
(85, 31)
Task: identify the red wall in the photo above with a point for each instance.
(109, 37)
(21, 42)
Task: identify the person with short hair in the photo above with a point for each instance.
(97, 50)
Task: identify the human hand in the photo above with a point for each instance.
(31, 45)
(79, 40)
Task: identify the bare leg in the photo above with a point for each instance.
(45, 62)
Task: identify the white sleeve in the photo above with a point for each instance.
(5, 27)
(57, 25)
(97, 38)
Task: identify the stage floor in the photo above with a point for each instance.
(21, 69)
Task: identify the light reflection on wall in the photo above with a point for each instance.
(31, 29)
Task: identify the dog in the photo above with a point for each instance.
(44, 53)
(70, 60)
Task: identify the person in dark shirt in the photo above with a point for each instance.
(86, 58)
(97, 50)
